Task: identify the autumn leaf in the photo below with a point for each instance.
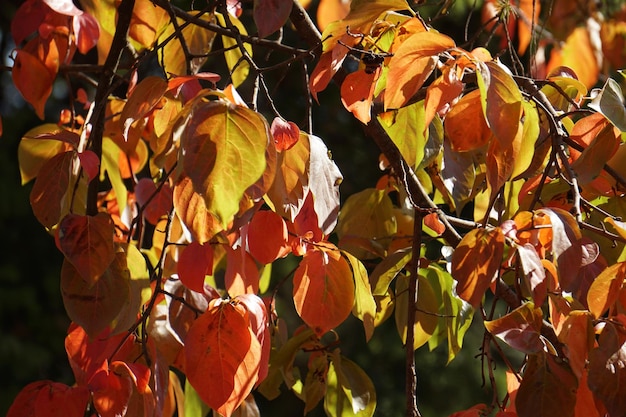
(427, 308)
(111, 392)
(194, 263)
(87, 242)
(407, 130)
(34, 151)
(475, 263)
(33, 80)
(578, 54)
(50, 399)
(222, 356)
(364, 304)
(605, 289)
(357, 91)
(220, 140)
(191, 208)
(465, 124)
(285, 134)
(520, 329)
(242, 273)
(411, 65)
(349, 391)
(155, 202)
(578, 335)
(267, 237)
(142, 99)
(238, 67)
(323, 290)
(270, 15)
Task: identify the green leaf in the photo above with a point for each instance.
(194, 406)
(110, 165)
(237, 65)
(388, 269)
(610, 102)
(224, 154)
(349, 391)
(366, 219)
(364, 304)
(407, 130)
(530, 134)
(426, 314)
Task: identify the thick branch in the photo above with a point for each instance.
(125, 12)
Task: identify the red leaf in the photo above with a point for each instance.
(476, 261)
(155, 204)
(259, 325)
(577, 334)
(267, 237)
(90, 163)
(87, 242)
(326, 68)
(59, 400)
(222, 356)
(476, 411)
(270, 15)
(323, 290)
(285, 134)
(195, 262)
(33, 80)
(534, 272)
(27, 19)
(50, 187)
(242, 273)
(87, 32)
(110, 392)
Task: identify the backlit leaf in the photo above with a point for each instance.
(534, 272)
(222, 356)
(357, 91)
(520, 329)
(465, 124)
(578, 335)
(111, 392)
(315, 382)
(604, 290)
(267, 236)
(242, 272)
(388, 269)
(147, 23)
(578, 54)
(600, 140)
(33, 80)
(530, 134)
(239, 67)
(194, 263)
(502, 102)
(198, 40)
(364, 304)
(323, 290)
(87, 242)
(155, 202)
(90, 163)
(33, 152)
(427, 308)
(607, 369)
(191, 208)
(366, 215)
(411, 65)
(475, 263)
(285, 134)
(95, 305)
(259, 324)
(407, 130)
(220, 140)
(270, 15)
(548, 388)
(349, 391)
(142, 99)
(51, 185)
(50, 399)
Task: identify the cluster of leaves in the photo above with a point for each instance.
(172, 201)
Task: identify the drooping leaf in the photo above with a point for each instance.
(357, 93)
(427, 308)
(222, 356)
(95, 305)
(87, 242)
(33, 151)
(143, 98)
(50, 399)
(111, 154)
(191, 208)
(534, 272)
(349, 391)
(530, 134)
(578, 335)
(520, 329)
(548, 388)
(411, 65)
(285, 134)
(458, 174)
(476, 261)
(364, 304)
(267, 236)
(242, 272)
(111, 392)
(270, 15)
(323, 290)
(605, 289)
(610, 102)
(51, 185)
(465, 124)
(155, 202)
(366, 216)
(259, 324)
(607, 369)
(33, 80)
(441, 93)
(224, 154)
(239, 67)
(194, 263)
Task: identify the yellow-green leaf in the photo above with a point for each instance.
(407, 130)
(238, 66)
(364, 304)
(33, 153)
(427, 309)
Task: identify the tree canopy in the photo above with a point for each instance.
(209, 258)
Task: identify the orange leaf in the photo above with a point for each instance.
(50, 187)
(222, 356)
(326, 68)
(143, 98)
(411, 65)
(33, 80)
(329, 11)
(50, 399)
(577, 54)
(259, 326)
(267, 237)
(520, 329)
(476, 261)
(194, 263)
(476, 411)
(87, 242)
(604, 290)
(242, 273)
(110, 392)
(432, 220)
(577, 334)
(191, 208)
(323, 290)
(440, 94)
(285, 134)
(357, 92)
(586, 405)
(465, 124)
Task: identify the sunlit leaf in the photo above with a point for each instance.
(194, 263)
(315, 382)
(465, 124)
(534, 272)
(604, 290)
(242, 272)
(32, 79)
(51, 185)
(238, 66)
(388, 269)
(111, 392)
(221, 140)
(520, 329)
(357, 91)
(349, 391)
(600, 140)
(50, 399)
(578, 335)
(285, 134)
(407, 130)
(458, 174)
(411, 65)
(578, 54)
(191, 208)
(548, 388)
(143, 98)
(267, 236)
(222, 356)
(155, 202)
(364, 304)
(427, 309)
(147, 23)
(530, 134)
(323, 290)
(475, 263)
(87, 242)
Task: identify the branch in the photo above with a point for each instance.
(410, 374)
(125, 12)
